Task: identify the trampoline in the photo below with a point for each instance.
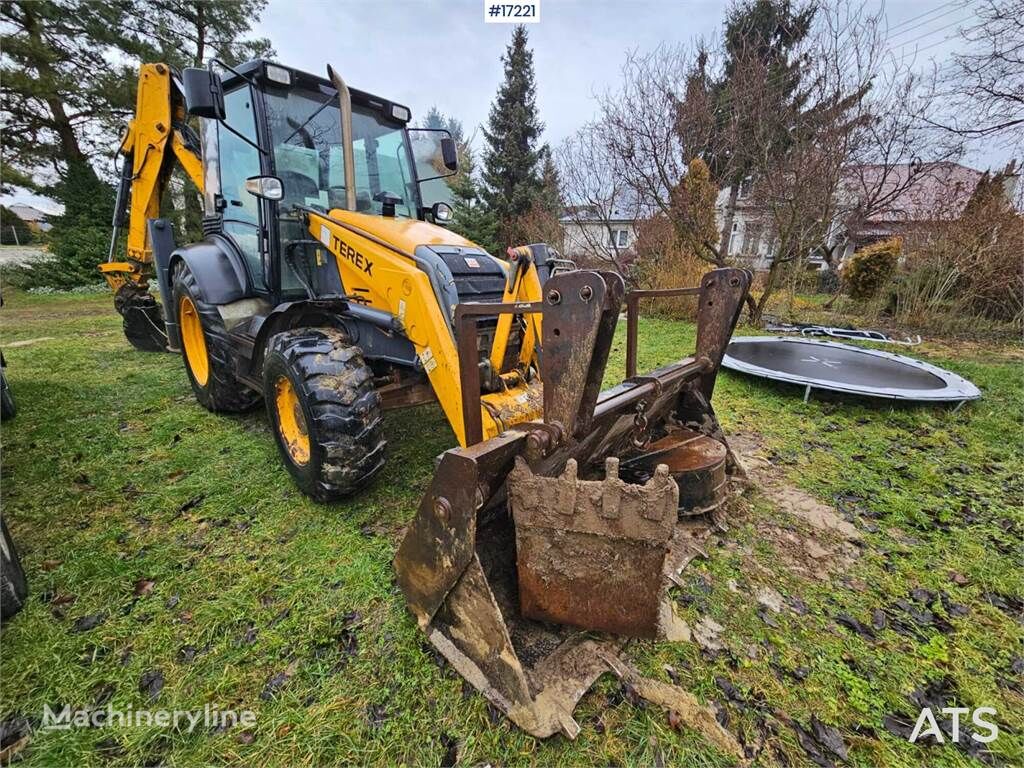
(845, 368)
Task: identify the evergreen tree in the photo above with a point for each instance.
(472, 218)
(69, 70)
(760, 81)
(436, 120)
(64, 95)
(189, 33)
(550, 195)
(511, 174)
(693, 214)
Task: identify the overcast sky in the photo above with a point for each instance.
(440, 52)
(424, 52)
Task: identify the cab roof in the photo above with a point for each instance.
(256, 69)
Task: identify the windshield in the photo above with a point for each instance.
(309, 160)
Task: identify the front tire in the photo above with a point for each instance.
(206, 349)
(325, 411)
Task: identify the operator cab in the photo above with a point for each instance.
(284, 123)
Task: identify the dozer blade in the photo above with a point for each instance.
(528, 544)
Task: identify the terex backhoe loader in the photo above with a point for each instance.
(326, 285)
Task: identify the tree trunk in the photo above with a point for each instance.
(200, 35)
(757, 308)
(69, 146)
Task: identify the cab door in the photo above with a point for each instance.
(243, 215)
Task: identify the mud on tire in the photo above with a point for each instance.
(141, 318)
(333, 394)
(223, 391)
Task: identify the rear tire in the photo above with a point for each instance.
(141, 318)
(206, 349)
(13, 585)
(325, 411)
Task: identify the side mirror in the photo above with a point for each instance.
(442, 213)
(204, 93)
(448, 153)
(265, 187)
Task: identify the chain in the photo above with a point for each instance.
(639, 437)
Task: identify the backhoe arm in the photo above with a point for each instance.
(155, 138)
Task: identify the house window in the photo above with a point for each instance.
(734, 239)
(618, 238)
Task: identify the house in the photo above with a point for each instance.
(592, 236)
(34, 219)
(906, 195)
(902, 196)
(749, 240)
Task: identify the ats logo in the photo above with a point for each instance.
(928, 725)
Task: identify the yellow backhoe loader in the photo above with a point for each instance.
(327, 285)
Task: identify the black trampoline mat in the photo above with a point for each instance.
(841, 365)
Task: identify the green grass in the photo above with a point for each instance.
(114, 476)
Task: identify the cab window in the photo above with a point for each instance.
(238, 161)
(305, 131)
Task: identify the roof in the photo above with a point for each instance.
(583, 214)
(28, 213)
(940, 191)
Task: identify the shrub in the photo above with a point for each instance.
(871, 268)
(75, 256)
(80, 237)
(661, 262)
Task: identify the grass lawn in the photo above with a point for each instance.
(172, 564)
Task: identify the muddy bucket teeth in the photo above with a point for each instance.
(534, 556)
(591, 553)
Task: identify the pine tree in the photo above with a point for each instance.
(472, 218)
(189, 33)
(511, 174)
(760, 45)
(437, 120)
(64, 95)
(69, 71)
(550, 195)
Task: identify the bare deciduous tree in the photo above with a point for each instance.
(986, 84)
(596, 193)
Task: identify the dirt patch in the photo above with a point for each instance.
(29, 342)
(832, 545)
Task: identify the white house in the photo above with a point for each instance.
(749, 239)
(590, 236)
(941, 191)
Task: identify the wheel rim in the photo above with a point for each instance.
(193, 340)
(291, 422)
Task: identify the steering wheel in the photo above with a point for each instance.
(297, 187)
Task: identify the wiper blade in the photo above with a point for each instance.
(305, 122)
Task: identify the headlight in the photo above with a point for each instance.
(279, 75)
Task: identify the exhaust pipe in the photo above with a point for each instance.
(348, 153)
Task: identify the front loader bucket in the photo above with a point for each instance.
(535, 555)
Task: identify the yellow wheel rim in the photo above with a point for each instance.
(291, 422)
(193, 340)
